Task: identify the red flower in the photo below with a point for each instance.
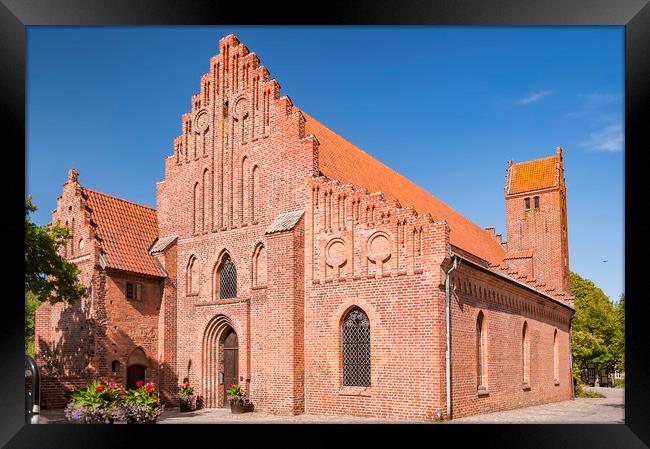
(139, 384)
(99, 388)
(148, 387)
(229, 385)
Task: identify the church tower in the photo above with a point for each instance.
(536, 220)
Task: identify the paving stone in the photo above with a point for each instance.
(607, 410)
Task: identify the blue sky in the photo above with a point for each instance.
(445, 106)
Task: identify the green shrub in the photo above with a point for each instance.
(185, 391)
(141, 405)
(619, 383)
(97, 403)
(94, 403)
(581, 392)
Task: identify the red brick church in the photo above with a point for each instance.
(282, 257)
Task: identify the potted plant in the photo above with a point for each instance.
(239, 403)
(185, 394)
(93, 404)
(141, 406)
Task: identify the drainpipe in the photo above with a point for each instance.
(455, 265)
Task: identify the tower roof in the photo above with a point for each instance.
(533, 175)
(341, 160)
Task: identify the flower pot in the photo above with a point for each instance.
(185, 404)
(236, 407)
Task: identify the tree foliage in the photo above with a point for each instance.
(598, 327)
(48, 275)
(620, 337)
(31, 304)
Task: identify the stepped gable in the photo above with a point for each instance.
(532, 175)
(125, 231)
(341, 160)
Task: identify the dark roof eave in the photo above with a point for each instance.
(138, 273)
(514, 281)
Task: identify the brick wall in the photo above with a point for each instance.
(505, 308)
(167, 327)
(385, 260)
(56, 390)
(131, 324)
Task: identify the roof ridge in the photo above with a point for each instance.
(535, 160)
(118, 198)
(309, 116)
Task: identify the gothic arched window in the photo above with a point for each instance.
(227, 274)
(481, 368)
(259, 266)
(196, 212)
(355, 348)
(556, 359)
(192, 283)
(525, 354)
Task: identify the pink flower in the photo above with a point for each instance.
(139, 384)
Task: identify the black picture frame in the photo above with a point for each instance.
(634, 15)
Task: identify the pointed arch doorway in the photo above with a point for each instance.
(220, 361)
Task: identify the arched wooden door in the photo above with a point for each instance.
(230, 362)
(134, 373)
(136, 367)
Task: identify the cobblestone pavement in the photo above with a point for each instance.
(608, 410)
(223, 415)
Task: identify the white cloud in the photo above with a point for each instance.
(598, 107)
(609, 138)
(596, 98)
(534, 97)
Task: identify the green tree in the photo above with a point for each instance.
(31, 304)
(48, 275)
(597, 329)
(620, 338)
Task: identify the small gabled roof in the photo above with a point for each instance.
(284, 222)
(161, 244)
(125, 230)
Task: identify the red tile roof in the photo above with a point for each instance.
(524, 254)
(339, 159)
(126, 231)
(533, 175)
